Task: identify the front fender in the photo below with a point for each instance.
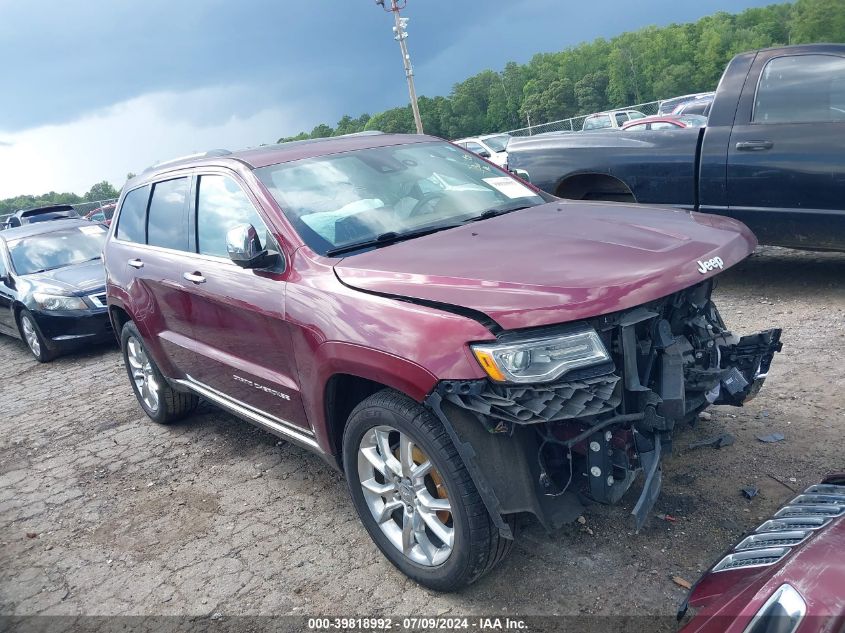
(335, 357)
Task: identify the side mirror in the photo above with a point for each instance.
(522, 174)
(245, 250)
(484, 153)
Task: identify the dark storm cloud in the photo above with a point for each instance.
(75, 57)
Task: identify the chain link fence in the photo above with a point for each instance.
(576, 124)
(84, 208)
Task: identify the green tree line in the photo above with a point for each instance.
(101, 191)
(634, 67)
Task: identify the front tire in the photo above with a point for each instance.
(35, 341)
(161, 402)
(414, 495)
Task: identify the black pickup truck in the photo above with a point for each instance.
(772, 154)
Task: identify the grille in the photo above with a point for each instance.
(826, 489)
(98, 299)
(546, 403)
(773, 539)
(819, 500)
(811, 510)
(752, 558)
(793, 523)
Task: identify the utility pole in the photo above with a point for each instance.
(400, 35)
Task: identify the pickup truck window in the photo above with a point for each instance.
(801, 89)
(597, 122)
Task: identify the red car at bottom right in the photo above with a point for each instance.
(788, 576)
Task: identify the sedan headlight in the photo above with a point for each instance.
(58, 302)
(782, 613)
(541, 359)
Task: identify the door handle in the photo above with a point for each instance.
(195, 278)
(754, 146)
(136, 263)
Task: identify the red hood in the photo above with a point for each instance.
(556, 262)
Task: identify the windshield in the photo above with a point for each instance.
(58, 249)
(497, 143)
(361, 196)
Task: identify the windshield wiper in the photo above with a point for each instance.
(385, 239)
(492, 213)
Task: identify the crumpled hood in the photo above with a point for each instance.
(556, 262)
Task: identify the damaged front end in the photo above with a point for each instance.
(579, 419)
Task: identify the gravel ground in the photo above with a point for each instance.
(103, 512)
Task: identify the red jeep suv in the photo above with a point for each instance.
(463, 346)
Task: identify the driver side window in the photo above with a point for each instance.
(222, 205)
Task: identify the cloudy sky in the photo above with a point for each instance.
(93, 89)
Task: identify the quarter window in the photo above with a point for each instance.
(801, 89)
(167, 225)
(222, 205)
(133, 212)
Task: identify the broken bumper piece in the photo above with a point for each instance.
(547, 448)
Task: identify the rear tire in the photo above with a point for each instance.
(448, 548)
(32, 337)
(161, 402)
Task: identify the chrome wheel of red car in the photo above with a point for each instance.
(406, 495)
(142, 373)
(159, 400)
(414, 495)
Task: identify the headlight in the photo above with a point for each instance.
(58, 302)
(541, 359)
(782, 613)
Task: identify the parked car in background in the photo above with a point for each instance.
(52, 286)
(465, 347)
(41, 214)
(666, 122)
(102, 214)
(785, 577)
(493, 147)
(770, 155)
(700, 105)
(667, 106)
(610, 120)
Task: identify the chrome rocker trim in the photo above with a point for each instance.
(274, 425)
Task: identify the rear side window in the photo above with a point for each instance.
(801, 89)
(130, 226)
(167, 225)
(222, 205)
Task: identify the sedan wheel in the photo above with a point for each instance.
(31, 335)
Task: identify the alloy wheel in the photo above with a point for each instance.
(142, 373)
(406, 495)
(30, 335)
